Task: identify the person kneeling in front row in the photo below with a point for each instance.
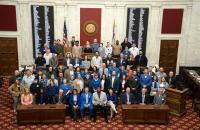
(99, 101)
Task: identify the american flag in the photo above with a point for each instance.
(113, 37)
(65, 32)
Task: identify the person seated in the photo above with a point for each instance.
(26, 98)
(40, 61)
(144, 97)
(171, 79)
(160, 97)
(67, 60)
(109, 60)
(127, 97)
(85, 63)
(65, 87)
(51, 92)
(87, 48)
(114, 82)
(35, 90)
(99, 102)
(163, 84)
(146, 80)
(95, 83)
(86, 102)
(16, 89)
(60, 98)
(74, 103)
(112, 102)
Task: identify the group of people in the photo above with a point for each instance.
(99, 84)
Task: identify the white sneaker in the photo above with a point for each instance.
(14, 110)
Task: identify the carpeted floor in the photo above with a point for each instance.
(190, 121)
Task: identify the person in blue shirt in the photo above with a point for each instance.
(126, 52)
(86, 102)
(116, 69)
(114, 82)
(95, 83)
(146, 80)
(112, 102)
(74, 103)
(66, 91)
(121, 61)
(51, 92)
(95, 46)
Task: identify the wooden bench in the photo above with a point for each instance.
(50, 113)
(136, 113)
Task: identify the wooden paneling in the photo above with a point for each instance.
(8, 55)
(168, 54)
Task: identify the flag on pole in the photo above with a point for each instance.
(113, 37)
(65, 32)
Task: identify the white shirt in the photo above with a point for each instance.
(102, 84)
(47, 57)
(134, 51)
(96, 61)
(108, 50)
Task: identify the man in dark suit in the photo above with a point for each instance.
(146, 80)
(171, 79)
(121, 61)
(114, 82)
(160, 97)
(133, 82)
(141, 60)
(144, 97)
(127, 97)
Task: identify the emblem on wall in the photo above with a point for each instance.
(90, 28)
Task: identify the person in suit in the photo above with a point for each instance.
(67, 60)
(88, 82)
(121, 61)
(74, 103)
(112, 102)
(99, 100)
(86, 102)
(123, 84)
(144, 97)
(146, 80)
(171, 79)
(104, 83)
(160, 97)
(134, 82)
(115, 68)
(60, 98)
(103, 70)
(141, 60)
(114, 82)
(150, 72)
(127, 97)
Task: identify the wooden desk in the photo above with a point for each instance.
(50, 113)
(192, 80)
(145, 113)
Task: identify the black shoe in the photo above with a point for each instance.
(81, 119)
(106, 120)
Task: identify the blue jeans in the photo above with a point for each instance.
(15, 102)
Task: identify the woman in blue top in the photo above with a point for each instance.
(95, 82)
(52, 91)
(66, 90)
(112, 102)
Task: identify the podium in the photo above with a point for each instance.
(176, 100)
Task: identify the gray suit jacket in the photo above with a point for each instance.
(159, 100)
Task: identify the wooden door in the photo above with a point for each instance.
(168, 55)
(8, 55)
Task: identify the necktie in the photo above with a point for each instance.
(113, 79)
